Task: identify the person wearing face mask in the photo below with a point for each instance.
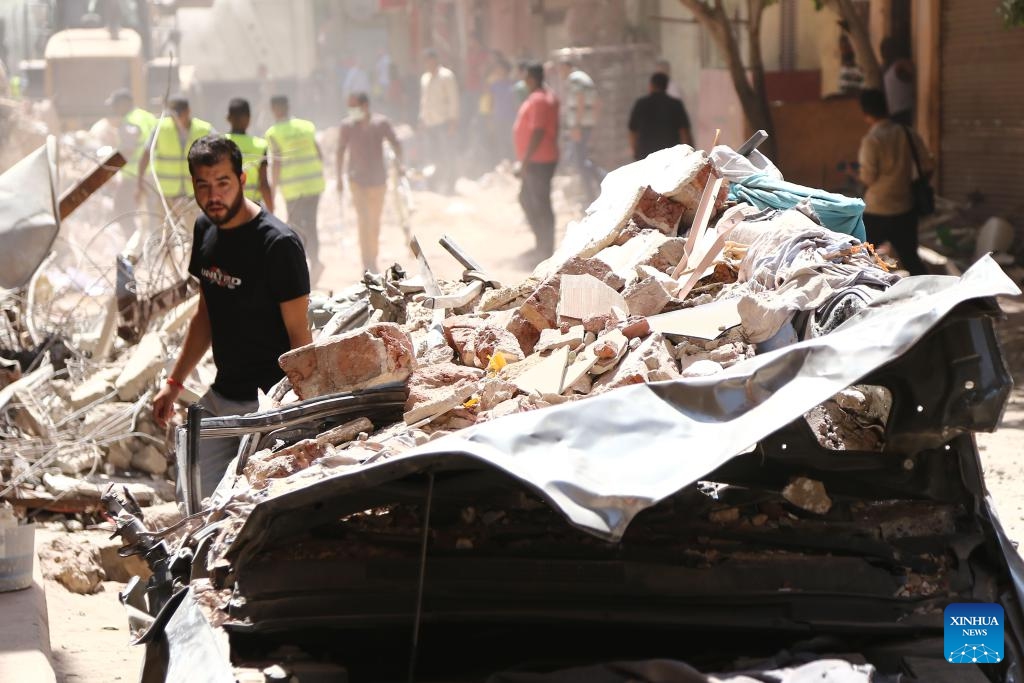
(362, 137)
(253, 297)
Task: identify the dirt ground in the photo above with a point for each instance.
(89, 634)
(1002, 452)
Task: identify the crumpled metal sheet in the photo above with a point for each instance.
(602, 460)
(193, 650)
(28, 214)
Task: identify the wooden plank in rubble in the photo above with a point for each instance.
(84, 188)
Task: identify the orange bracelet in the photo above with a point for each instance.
(175, 383)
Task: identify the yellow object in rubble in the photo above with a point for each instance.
(496, 362)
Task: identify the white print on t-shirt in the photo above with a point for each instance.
(218, 277)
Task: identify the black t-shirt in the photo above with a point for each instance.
(245, 274)
(656, 120)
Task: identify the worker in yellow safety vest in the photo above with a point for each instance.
(134, 128)
(297, 170)
(174, 136)
(254, 154)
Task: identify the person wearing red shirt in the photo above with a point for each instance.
(535, 135)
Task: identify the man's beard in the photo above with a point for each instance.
(232, 210)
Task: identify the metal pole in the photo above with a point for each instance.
(423, 572)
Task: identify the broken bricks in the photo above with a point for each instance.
(369, 357)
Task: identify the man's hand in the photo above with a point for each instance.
(163, 404)
(576, 134)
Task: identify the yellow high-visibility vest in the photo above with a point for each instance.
(170, 159)
(254, 151)
(293, 146)
(145, 122)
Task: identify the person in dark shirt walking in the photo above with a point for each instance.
(253, 296)
(362, 137)
(658, 121)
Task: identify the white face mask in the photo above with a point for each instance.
(356, 113)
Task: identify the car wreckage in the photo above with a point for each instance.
(807, 513)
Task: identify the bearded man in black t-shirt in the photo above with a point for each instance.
(253, 297)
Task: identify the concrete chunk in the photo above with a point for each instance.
(554, 339)
(261, 467)
(546, 376)
(149, 459)
(431, 382)
(584, 296)
(646, 297)
(655, 210)
(345, 432)
(368, 357)
(808, 494)
(142, 367)
(93, 389)
(450, 400)
(487, 341)
(496, 391)
(596, 267)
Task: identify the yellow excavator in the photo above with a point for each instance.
(97, 46)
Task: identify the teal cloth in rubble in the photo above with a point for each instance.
(837, 212)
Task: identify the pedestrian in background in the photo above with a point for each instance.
(662, 66)
(439, 118)
(254, 154)
(536, 142)
(519, 88)
(504, 106)
(131, 129)
(581, 112)
(658, 121)
(297, 170)
(898, 80)
(890, 155)
(362, 137)
(173, 138)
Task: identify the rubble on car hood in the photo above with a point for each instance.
(581, 381)
(663, 280)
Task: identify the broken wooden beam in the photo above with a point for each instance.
(87, 186)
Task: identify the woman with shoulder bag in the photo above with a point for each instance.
(895, 168)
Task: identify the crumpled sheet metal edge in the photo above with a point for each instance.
(603, 460)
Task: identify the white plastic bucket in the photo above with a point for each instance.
(17, 551)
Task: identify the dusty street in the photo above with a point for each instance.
(89, 633)
(483, 216)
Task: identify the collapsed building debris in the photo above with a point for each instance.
(476, 428)
(646, 288)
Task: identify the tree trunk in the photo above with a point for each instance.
(861, 41)
(752, 98)
(755, 9)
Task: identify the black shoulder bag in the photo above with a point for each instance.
(920, 189)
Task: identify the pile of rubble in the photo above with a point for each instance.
(72, 425)
(666, 277)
